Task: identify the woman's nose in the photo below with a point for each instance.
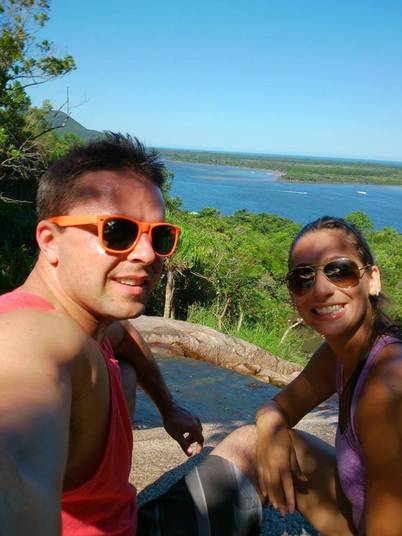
(322, 286)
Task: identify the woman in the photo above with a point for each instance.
(355, 488)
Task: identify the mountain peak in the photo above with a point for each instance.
(66, 124)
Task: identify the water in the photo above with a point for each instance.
(229, 188)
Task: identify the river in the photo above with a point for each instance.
(229, 188)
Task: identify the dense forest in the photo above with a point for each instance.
(228, 272)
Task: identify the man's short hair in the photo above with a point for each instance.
(59, 190)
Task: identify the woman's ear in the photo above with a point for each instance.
(375, 281)
(46, 237)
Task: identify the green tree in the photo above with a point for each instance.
(25, 61)
(197, 246)
(361, 221)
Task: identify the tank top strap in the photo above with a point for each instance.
(19, 299)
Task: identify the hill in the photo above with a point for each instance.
(67, 124)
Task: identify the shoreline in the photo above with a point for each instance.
(275, 172)
(282, 175)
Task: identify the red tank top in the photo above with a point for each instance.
(106, 503)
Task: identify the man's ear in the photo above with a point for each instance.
(46, 237)
(375, 281)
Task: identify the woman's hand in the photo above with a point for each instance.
(277, 464)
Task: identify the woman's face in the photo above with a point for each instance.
(330, 310)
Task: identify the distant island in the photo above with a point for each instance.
(299, 169)
(290, 169)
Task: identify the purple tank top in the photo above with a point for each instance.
(349, 454)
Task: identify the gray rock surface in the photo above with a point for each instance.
(224, 400)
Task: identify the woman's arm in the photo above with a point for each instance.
(313, 385)
(379, 428)
(277, 463)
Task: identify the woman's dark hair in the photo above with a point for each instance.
(59, 188)
(382, 324)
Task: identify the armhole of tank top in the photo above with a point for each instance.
(107, 352)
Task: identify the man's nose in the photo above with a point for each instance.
(143, 251)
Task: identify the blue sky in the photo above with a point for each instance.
(301, 77)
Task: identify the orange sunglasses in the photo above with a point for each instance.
(118, 233)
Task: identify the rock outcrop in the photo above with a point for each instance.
(175, 337)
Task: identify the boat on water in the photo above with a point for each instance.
(361, 192)
(291, 192)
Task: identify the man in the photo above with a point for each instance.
(65, 433)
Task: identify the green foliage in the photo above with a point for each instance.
(267, 336)
(387, 248)
(229, 274)
(17, 243)
(230, 271)
(24, 61)
(56, 146)
(27, 145)
(361, 221)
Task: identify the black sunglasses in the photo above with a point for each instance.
(342, 272)
(118, 233)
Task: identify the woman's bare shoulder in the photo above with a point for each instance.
(386, 373)
(380, 404)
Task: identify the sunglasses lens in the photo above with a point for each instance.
(119, 234)
(343, 273)
(164, 239)
(301, 279)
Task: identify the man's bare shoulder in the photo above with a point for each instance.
(40, 336)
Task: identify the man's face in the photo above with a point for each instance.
(110, 286)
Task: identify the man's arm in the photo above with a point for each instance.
(34, 426)
(181, 424)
